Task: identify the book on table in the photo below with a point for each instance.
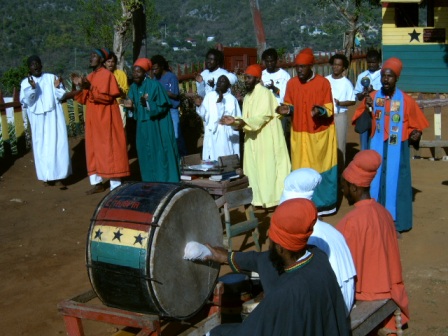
(224, 176)
(188, 177)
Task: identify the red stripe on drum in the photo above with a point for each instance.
(124, 218)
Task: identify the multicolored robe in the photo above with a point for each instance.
(313, 139)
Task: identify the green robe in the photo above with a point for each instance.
(156, 143)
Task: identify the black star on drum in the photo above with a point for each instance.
(139, 239)
(98, 234)
(117, 235)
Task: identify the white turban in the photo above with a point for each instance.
(300, 184)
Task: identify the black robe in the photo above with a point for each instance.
(305, 301)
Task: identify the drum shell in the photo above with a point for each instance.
(135, 247)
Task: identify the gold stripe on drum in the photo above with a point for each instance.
(119, 236)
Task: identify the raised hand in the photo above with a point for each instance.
(199, 78)
(31, 81)
(128, 103)
(282, 109)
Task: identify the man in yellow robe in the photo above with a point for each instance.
(266, 160)
(309, 102)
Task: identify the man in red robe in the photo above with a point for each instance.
(370, 234)
(106, 149)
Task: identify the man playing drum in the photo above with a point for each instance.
(302, 297)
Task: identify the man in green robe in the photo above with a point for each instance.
(156, 143)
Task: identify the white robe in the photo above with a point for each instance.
(333, 243)
(203, 88)
(219, 140)
(48, 128)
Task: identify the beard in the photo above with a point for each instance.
(276, 260)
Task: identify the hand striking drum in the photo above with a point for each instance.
(136, 244)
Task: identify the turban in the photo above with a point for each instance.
(393, 64)
(106, 53)
(305, 57)
(254, 70)
(300, 184)
(363, 168)
(100, 52)
(33, 58)
(292, 223)
(143, 63)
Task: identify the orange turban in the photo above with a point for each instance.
(393, 64)
(254, 70)
(143, 63)
(292, 223)
(305, 57)
(363, 168)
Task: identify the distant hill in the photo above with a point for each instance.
(47, 28)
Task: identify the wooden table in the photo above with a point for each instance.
(218, 189)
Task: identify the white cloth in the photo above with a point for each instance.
(48, 128)
(301, 184)
(341, 124)
(196, 251)
(375, 80)
(219, 140)
(333, 243)
(342, 90)
(203, 88)
(280, 79)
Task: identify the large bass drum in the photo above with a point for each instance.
(136, 245)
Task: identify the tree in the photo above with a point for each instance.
(117, 23)
(354, 14)
(12, 78)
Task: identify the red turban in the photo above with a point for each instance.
(292, 223)
(254, 70)
(363, 168)
(143, 63)
(305, 57)
(393, 64)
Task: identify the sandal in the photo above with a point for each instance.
(98, 188)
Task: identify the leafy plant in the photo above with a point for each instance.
(12, 78)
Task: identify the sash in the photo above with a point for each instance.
(393, 147)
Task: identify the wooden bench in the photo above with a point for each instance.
(368, 315)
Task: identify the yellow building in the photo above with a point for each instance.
(418, 36)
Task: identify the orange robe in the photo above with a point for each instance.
(370, 234)
(106, 149)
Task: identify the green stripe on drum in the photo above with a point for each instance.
(118, 254)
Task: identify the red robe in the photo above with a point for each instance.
(106, 149)
(370, 234)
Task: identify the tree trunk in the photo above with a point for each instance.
(120, 30)
(139, 33)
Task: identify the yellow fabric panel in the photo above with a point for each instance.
(122, 80)
(266, 159)
(317, 150)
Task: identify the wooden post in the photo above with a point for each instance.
(258, 26)
(438, 151)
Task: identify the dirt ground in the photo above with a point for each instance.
(43, 236)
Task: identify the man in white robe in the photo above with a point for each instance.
(206, 81)
(39, 94)
(219, 140)
(301, 184)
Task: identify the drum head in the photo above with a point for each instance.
(181, 286)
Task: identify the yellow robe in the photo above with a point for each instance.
(266, 160)
(122, 80)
